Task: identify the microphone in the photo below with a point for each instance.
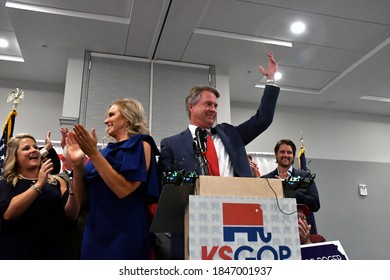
(201, 139)
(306, 181)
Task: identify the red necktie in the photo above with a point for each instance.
(211, 156)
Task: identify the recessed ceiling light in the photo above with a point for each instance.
(3, 43)
(298, 27)
(11, 58)
(375, 98)
(278, 75)
(64, 12)
(242, 37)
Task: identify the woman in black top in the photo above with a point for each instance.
(34, 205)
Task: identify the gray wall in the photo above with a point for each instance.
(361, 223)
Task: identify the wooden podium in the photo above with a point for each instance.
(248, 195)
(170, 213)
(176, 214)
(239, 186)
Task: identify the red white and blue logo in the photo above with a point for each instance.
(245, 219)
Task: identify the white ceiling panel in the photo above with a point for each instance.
(69, 32)
(144, 34)
(228, 52)
(343, 55)
(369, 11)
(274, 22)
(181, 20)
(312, 57)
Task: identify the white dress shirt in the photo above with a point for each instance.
(225, 165)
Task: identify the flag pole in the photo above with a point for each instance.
(15, 97)
(301, 155)
(301, 139)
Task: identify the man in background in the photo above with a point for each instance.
(285, 150)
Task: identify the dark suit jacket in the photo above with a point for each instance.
(310, 197)
(177, 151)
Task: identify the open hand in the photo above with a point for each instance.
(86, 141)
(272, 67)
(74, 152)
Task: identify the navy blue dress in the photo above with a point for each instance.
(38, 234)
(119, 228)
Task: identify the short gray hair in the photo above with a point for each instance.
(196, 93)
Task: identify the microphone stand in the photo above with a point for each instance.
(202, 159)
(200, 151)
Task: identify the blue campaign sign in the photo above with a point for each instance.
(330, 250)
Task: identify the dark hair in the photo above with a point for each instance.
(196, 93)
(285, 142)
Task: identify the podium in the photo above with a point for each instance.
(207, 216)
(239, 186)
(170, 213)
(169, 216)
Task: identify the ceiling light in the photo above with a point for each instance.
(241, 37)
(64, 12)
(3, 43)
(375, 98)
(278, 76)
(11, 58)
(298, 27)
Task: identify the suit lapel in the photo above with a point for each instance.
(228, 147)
(187, 141)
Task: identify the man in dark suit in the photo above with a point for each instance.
(177, 152)
(285, 150)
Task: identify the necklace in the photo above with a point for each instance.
(31, 179)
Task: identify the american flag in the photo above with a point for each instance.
(8, 130)
(302, 165)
